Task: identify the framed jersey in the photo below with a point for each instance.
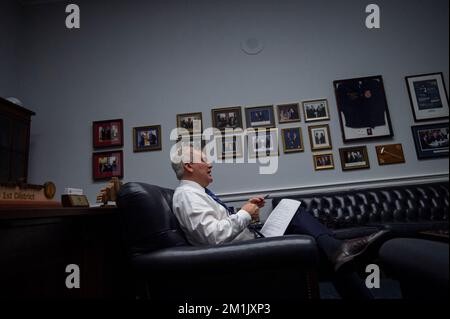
(362, 107)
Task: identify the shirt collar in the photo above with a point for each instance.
(192, 184)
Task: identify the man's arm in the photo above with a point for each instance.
(201, 220)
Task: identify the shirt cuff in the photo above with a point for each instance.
(245, 216)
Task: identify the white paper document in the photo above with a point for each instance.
(278, 221)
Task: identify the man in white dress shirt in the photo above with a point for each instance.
(206, 220)
(202, 218)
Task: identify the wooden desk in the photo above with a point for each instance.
(36, 245)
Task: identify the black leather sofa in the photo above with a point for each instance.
(408, 211)
(165, 267)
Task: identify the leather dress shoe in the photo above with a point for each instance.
(355, 247)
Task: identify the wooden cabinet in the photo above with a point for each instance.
(37, 244)
(14, 141)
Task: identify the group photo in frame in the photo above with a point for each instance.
(323, 161)
(262, 143)
(227, 117)
(107, 133)
(431, 141)
(292, 140)
(316, 110)
(229, 146)
(354, 158)
(260, 116)
(320, 137)
(192, 122)
(288, 113)
(428, 96)
(362, 108)
(107, 164)
(147, 138)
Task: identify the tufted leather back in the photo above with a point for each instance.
(415, 203)
(148, 221)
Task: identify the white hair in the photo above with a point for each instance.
(180, 155)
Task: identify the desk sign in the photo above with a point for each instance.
(26, 194)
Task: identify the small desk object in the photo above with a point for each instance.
(19, 194)
(74, 200)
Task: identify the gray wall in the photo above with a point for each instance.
(10, 17)
(146, 61)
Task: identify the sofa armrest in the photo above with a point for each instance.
(268, 253)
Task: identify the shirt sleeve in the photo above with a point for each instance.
(202, 221)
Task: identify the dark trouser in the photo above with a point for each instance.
(347, 283)
(305, 223)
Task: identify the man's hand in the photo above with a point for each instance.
(259, 201)
(252, 209)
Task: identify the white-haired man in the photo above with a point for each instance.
(206, 220)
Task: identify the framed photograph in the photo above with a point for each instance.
(362, 108)
(319, 137)
(229, 146)
(262, 143)
(147, 138)
(260, 116)
(431, 141)
(390, 154)
(292, 140)
(316, 110)
(323, 161)
(107, 164)
(428, 96)
(192, 122)
(230, 117)
(288, 113)
(354, 158)
(194, 140)
(107, 133)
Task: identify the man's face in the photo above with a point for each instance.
(199, 169)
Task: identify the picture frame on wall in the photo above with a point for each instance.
(190, 122)
(353, 158)
(292, 140)
(323, 161)
(320, 137)
(194, 140)
(107, 133)
(390, 154)
(229, 146)
(260, 116)
(431, 141)
(362, 108)
(147, 138)
(428, 96)
(316, 110)
(106, 165)
(288, 113)
(262, 143)
(227, 118)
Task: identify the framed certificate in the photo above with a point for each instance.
(428, 96)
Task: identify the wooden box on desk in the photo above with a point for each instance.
(74, 200)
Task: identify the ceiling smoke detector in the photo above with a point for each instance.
(252, 46)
